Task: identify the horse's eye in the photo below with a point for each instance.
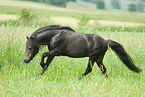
(30, 48)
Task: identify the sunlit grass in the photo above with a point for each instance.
(12, 6)
(118, 23)
(68, 21)
(61, 78)
(8, 17)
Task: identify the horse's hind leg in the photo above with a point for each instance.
(89, 68)
(101, 66)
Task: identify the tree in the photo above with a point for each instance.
(131, 7)
(54, 2)
(100, 4)
(73, 0)
(92, 1)
(58, 2)
(115, 4)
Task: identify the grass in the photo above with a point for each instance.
(48, 14)
(61, 78)
(13, 7)
(8, 17)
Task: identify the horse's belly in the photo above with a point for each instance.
(74, 52)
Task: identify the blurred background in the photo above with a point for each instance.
(113, 14)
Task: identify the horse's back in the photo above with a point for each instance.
(82, 45)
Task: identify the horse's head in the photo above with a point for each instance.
(32, 48)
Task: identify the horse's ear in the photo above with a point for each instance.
(27, 37)
(33, 37)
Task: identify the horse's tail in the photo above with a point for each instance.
(118, 48)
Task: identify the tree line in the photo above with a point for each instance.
(139, 6)
(100, 4)
(53, 2)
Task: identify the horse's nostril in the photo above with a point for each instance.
(25, 60)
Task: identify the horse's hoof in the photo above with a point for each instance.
(80, 78)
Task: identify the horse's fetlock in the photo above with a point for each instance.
(42, 64)
(44, 55)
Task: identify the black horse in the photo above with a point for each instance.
(64, 41)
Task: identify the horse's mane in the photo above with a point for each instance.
(52, 27)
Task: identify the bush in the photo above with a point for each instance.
(83, 20)
(131, 7)
(100, 4)
(25, 15)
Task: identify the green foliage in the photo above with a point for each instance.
(93, 1)
(58, 2)
(25, 15)
(83, 20)
(54, 2)
(131, 7)
(100, 4)
(73, 0)
(115, 4)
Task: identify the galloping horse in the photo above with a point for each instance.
(64, 41)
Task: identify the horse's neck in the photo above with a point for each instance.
(46, 38)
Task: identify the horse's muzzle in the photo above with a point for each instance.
(26, 58)
(26, 61)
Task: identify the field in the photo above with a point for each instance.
(61, 79)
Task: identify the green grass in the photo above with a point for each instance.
(61, 78)
(47, 15)
(13, 7)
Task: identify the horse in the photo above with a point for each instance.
(64, 41)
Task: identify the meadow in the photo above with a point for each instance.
(61, 79)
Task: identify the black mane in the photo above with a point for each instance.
(52, 27)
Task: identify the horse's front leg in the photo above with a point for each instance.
(42, 60)
(50, 55)
(45, 66)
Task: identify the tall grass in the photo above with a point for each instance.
(61, 78)
(83, 20)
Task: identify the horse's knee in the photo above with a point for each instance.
(103, 70)
(44, 55)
